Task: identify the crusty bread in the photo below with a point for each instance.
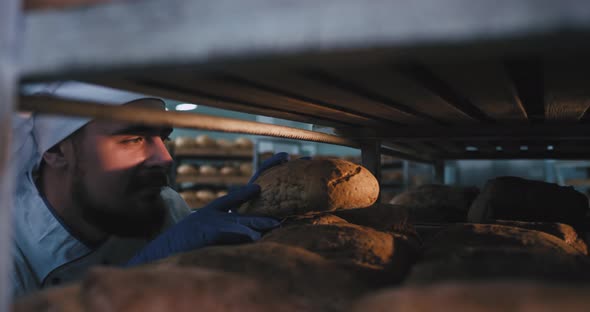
(507, 295)
(313, 218)
(184, 142)
(59, 299)
(492, 251)
(181, 289)
(563, 231)
(513, 198)
(301, 186)
(339, 241)
(325, 284)
(187, 170)
(437, 203)
(204, 140)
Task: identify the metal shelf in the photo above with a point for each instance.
(430, 80)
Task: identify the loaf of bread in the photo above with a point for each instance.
(562, 231)
(512, 198)
(352, 244)
(208, 170)
(326, 285)
(301, 186)
(246, 169)
(163, 289)
(491, 251)
(204, 141)
(205, 195)
(187, 170)
(188, 195)
(507, 295)
(437, 203)
(312, 218)
(380, 216)
(184, 142)
(224, 143)
(60, 299)
(243, 142)
(228, 171)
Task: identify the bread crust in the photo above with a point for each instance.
(301, 186)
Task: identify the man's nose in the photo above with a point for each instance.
(158, 154)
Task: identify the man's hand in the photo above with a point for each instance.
(210, 225)
(214, 224)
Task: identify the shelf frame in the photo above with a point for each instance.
(9, 21)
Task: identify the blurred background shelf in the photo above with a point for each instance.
(213, 180)
(213, 152)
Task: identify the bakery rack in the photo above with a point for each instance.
(425, 80)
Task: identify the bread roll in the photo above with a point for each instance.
(205, 195)
(187, 170)
(246, 169)
(301, 186)
(228, 171)
(188, 196)
(184, 142)
(208, 170)
(244, 143)
(204, 140)
(226, 144)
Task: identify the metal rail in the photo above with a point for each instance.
(57, 106)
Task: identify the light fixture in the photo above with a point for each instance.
(185, 107)
(471, 148)
(524, 148)
(550, 147)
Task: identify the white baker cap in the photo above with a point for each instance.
(34, 134)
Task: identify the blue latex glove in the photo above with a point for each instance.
(276, 159)
(210, 225)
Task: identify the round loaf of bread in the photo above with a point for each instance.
(208, 170)
(243, 142)
(228, 171)
(205, 141)
(185, 170)
(183, 142)
(301, 186)
(246, 169)
(224, 143)
(205, 195)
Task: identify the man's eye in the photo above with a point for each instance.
(135, 140)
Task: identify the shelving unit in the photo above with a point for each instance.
(217, 157)
(426, 80)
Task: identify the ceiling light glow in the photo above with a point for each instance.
(185, 107)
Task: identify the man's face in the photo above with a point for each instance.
(119, 172)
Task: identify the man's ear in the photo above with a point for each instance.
(55, 156)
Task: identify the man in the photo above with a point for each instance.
(93, 192)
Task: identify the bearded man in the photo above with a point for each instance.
(95, 192)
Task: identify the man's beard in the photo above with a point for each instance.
(140, 214)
